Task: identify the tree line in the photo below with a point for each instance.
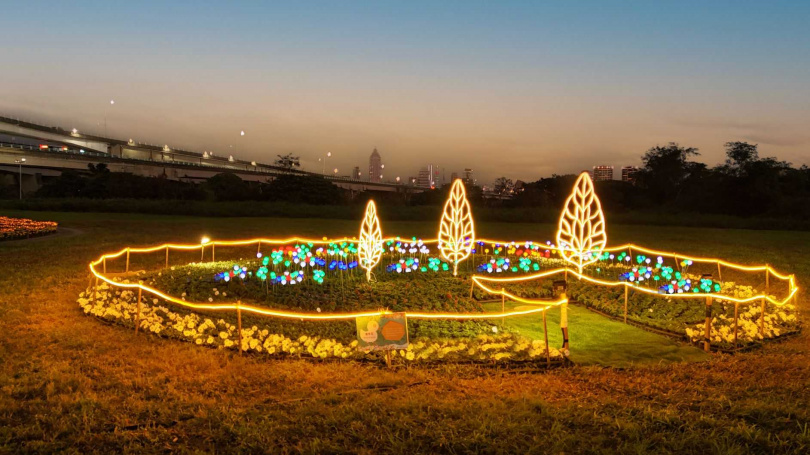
(670, 180)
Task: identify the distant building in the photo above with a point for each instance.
(602, 173)
(453, 176)
(468, 176)
(375, 167)
(428, 176)
(412, 181)
(423, 181)
(629, 174)
(356, 173)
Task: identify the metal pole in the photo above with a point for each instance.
(626, 291)
(767, 278)
(138, 314)
(736, 312)
(20, 163)
(167, 256)
(503, 305)
(762, 319)
(213, 252)
(708, 330)
(127, 269)
(545, 334)
(239, 320)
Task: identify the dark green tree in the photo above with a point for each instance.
(665, 170)
(288, 161)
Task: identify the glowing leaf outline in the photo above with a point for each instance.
(581, 234)
(370, 243)
(457, 229)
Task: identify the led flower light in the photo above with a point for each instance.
(370, 245)
(456, 231)
(581, 231)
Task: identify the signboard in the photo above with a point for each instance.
(384, 332)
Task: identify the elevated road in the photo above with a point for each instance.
(74, 151)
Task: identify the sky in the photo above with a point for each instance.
(508, 88)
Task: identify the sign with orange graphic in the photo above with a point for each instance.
(383, 332)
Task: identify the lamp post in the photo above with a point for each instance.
(20, 163)
(323, 161)
(106, 111)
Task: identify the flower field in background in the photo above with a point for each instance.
(22, 228)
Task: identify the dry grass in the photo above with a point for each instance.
(71, 383)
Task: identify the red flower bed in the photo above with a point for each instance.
(21, 228)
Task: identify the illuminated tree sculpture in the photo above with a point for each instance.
(581, 235)
(456, 232)
(370, 245)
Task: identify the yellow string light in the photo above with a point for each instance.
(456, 230)
(581, 235)
(370, 245)
(480, 280)
(312, 316)
(581, 239)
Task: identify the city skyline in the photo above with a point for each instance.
(514, 89)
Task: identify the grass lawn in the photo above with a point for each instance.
(596, 340)
(69, 382)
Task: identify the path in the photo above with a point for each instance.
(597, 340)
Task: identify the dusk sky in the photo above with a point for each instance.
(521, 89)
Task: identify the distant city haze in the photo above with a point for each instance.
(515, 89)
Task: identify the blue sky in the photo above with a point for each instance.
(522, 89)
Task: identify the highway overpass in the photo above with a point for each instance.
(70, 149)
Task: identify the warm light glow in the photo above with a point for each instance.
(581, 235)
(581, 241)
(481, 281)
(456, 231)
(370, 245)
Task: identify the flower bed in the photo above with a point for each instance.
(327, 281)
(686, 317)
(119, 306)
(22, 228)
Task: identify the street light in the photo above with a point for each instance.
(20, 163)
(112, 103)
(323, 161)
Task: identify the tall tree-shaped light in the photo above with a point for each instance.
(581, 235)
(456, 231)
(370, 245)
